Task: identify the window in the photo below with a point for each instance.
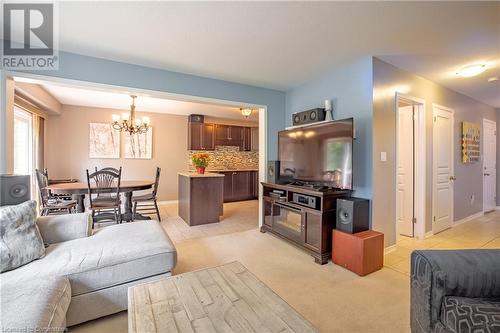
(23, 142)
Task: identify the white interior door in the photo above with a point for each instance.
(443, 169)
(489, 165)
(405, 171)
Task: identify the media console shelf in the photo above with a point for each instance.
(307, 225)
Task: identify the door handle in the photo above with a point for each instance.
(453, 178)
(486, 174)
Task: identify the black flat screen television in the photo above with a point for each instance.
(320, 154)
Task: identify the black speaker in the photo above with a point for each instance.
(308, 117)
(14, 189)
(196, 118)
(353, 215)
(273, 172)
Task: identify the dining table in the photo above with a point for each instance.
(78, 190)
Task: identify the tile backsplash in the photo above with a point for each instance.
(228, 158)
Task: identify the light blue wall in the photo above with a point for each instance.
(84, 68)
(350, 86)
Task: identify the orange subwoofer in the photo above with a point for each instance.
(361, 253)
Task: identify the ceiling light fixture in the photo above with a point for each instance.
(471, 70)
(129, 123)
(246, 112)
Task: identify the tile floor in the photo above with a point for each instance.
(482, 232)
(238, 216)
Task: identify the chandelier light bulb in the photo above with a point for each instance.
(130, 123)
(246, 112)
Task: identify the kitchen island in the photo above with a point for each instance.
(201, 197)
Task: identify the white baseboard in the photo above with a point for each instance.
(428, 234)
(389, 249)
(168, 202)
(468, 218)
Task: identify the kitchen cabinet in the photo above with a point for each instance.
(205, 136)
(247, 139)
(228, 135)
(201, 136)
(239, 185)
(255, 183)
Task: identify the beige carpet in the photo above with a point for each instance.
(332, 298)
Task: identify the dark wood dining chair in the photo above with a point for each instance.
(108, 169)
(104, 195)
(51, 204)
(147, 203)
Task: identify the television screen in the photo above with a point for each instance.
(319, 153)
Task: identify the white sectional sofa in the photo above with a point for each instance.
(83, 276)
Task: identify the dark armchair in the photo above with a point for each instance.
(455, 291)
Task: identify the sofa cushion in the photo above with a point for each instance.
(20, 239)
(463, 314)
(112, 256)
(35, 305)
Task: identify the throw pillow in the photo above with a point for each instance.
(20, 239)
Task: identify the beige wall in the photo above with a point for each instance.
(67, 147)
(388, 79)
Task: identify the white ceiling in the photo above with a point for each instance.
(70, 95)
(283, 44)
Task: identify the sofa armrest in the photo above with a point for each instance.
(62, 228)
(438, 273)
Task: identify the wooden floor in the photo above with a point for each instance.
(226, 298)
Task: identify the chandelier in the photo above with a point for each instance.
(246, 112)
(129, 123)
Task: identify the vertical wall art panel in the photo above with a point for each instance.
(104, 141)
(139, 145)
(471, 142)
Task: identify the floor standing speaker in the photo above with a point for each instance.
(14, 189)
(353, 215)
(273, 171)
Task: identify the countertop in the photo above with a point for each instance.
(197, 175)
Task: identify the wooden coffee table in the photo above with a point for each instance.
(227, 298)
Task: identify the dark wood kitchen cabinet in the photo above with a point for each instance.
(239, 185)
(228, 135)
(201, 136)
(206, 136)
(247, 139)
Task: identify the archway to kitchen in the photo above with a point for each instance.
(82, 103)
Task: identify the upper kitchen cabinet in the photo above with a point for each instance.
(206, 136)
(201, 136)
(228, 135)
(247, 139)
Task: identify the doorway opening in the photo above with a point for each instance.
(489, 165)
(410, 167)
(154, 104)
